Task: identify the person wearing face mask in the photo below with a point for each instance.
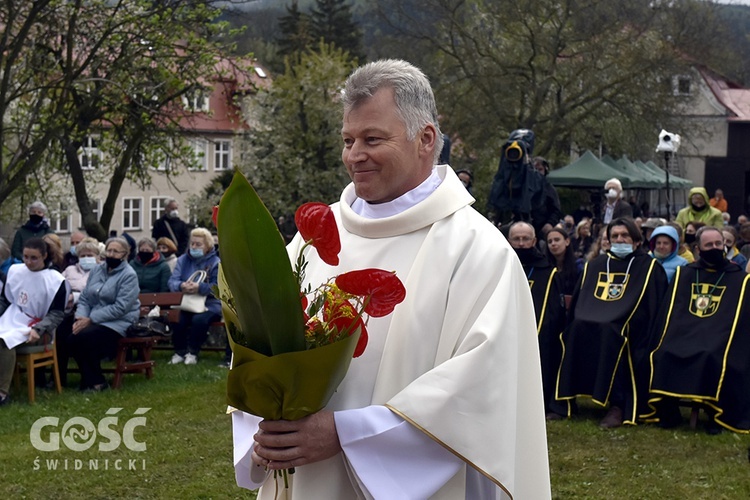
(167, 249)
(77, 275)
(71, 256)
(664, 244)
(549, 307)
(153, 272)
(607, 342)
(169, 225)
(614, 207)
(733, 254)
(107, 306)
(703, 343)
(36, 227)
(31, 306)
(699, 210)
(192, 330)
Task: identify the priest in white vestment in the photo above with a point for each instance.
(446, 401)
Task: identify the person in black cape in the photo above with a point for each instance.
(549, 307)
(704, 342)
(607, 341)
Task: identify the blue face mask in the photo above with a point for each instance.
(73, 250)
(196, 253)
(87, 263)
(621, 249)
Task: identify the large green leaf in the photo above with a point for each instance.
(257, 271)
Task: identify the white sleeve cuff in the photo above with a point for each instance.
(247, 474)
(390, 457)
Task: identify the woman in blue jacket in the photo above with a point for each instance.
(192, 329)
(107, 306)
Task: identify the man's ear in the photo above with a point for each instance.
(428, 140)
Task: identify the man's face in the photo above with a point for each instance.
(36, 211)
(697, 200)
(76, 238)
(381, 161)
(610, 185)
(663, 245)
(741, 219)
(719, 194)
(170, 206)
(569, 221)
(521, 236)
(620, 234)
(539, 167)
(710, 240)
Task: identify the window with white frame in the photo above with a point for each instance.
(222, 154)
(61, 219)
(200, 156)
(132, 213)
(196, 100)
(157, 208)
(90, 155)
(96, 208)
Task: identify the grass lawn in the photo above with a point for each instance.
(188, 448)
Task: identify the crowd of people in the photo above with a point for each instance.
(646, 316)
(87, 297)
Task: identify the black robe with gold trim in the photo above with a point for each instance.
(549, 306)
(703, 353)
(609, 331)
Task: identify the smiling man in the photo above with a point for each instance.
(446, 401)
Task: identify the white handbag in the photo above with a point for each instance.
(194, 302)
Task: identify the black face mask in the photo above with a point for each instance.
(145, 256)
(699, 209)
(167, 254)
(113, 262)
(713, 257)
(689, 238)
(524, 254)
(35, 219)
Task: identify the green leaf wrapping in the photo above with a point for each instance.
(258, 273)
(287, 386)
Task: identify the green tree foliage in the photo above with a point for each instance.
(112, 70)
(296, 31)
(332, 22)
(293, 151)
(579, 73)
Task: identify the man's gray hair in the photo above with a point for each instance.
(38, 204)
(415, 102)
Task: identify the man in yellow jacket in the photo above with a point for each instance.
(699, 210)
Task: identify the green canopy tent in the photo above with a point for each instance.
(639, 179)
(675, 182)
(588, 171)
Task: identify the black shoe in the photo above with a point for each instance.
(4, 399)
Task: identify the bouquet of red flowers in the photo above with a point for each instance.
(292, 346)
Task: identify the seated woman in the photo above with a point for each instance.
(32, 305)
(108, 305)
(581, 244)
(168, 250)
(192, 330)
(77, 275)
(152, 271)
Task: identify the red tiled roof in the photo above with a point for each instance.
(731, 95)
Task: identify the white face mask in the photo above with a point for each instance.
(174, 214)
(612, 194)
(87, 263)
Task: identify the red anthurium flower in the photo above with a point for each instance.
(215, 215)
(316, 223)
(344, 317)
(384, 289)
(303, 299)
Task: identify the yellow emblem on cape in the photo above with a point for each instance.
(705, 299)
(611, 289)
(531, 284)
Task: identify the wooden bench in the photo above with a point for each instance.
(167, 302)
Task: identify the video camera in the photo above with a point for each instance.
(668, 142)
